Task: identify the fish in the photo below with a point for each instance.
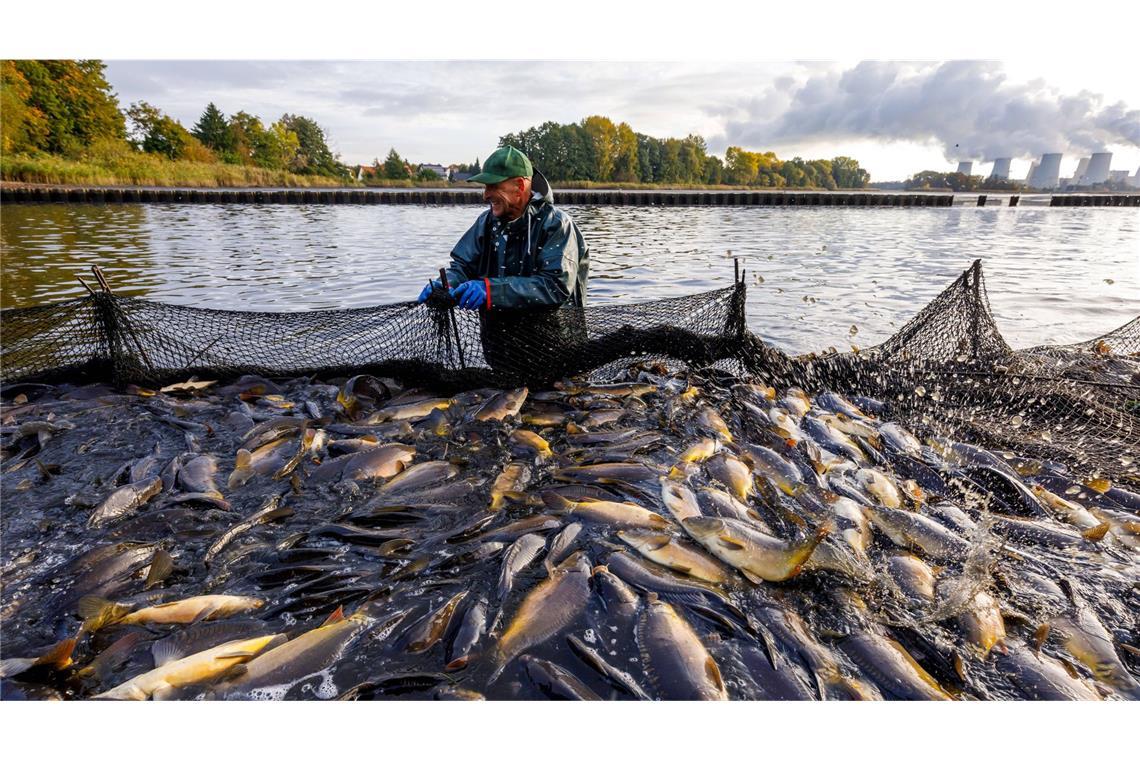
(758, 556)
(265, 460)
(620, 390)
(610, 472)
(197, 475)
(891, 667)
(733, 473)
(518, 555)
(309, 653)
(677, 662)
(163, 681)
(615, 513)
(501, 406)
(426, 632)
(833, 440)
(1086, 639)
(560, 546)
(879, 486)
(555, 682)
(509, 484)
(98, 612)
(914, 531)
(621, 601)
(533, 442)
(384, 461)
(1038, 676)
(471, 629)
(651, 577)
(912, 576)
(775, 469)
(614, 675)
(665, 550)
(408, 412)
(202, 636)
(708, 419)
(124, 501)
(418, 476)
(899, 440)
(699, 451)
(679, 500)
(545, 610)
(981, 623)
(57, 657)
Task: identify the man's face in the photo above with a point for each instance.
(507, 198)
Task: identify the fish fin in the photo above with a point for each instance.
(730, 543)
(336, 617)
(166, 650)
(59, 656)
(769, 646)
(160, 566)
(98, 612)
(204, 614)
(751, 576)
(817, 681)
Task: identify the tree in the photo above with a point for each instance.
(395, 167)
(626, 161)
(847, 173)
(313, 154)
(59, 106)
(23, 127)
(152, 131)
(213, 131)
(603, 136)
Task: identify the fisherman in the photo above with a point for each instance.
(519, 265)
(521, 253)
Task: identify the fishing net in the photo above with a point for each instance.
(947, 372)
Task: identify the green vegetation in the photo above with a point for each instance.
(959, 183)
(597, 150)
(62, 125)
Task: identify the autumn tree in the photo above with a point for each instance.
(58, 106)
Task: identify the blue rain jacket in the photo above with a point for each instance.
(538, 260)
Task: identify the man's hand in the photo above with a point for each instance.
(427, 290)
(470, 295)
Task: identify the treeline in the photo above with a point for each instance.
(959, 182)
(597, 150)
(67, 109)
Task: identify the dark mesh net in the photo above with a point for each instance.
(947, 372)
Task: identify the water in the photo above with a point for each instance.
(818, 277)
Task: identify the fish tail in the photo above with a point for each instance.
(98, 612)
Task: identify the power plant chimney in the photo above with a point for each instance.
(1098, 169)
(1001, 168)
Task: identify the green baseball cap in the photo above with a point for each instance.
(503, 164)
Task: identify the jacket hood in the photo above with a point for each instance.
(541, 188)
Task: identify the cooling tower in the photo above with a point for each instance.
(1048, 172)
(1079, 174)
(965, 167)
(1001, 168)
(1097, 170)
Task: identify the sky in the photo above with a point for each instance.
(896, 117)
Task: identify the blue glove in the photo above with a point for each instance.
(470, 295)
(427, 290)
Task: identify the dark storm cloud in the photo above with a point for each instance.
(969, 107)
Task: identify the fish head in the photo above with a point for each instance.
(703, 527)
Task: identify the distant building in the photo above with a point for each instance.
(1118, 175)
(461, 176)
(1098, 168)
(1047, 173)
(965, 167)
(1079, 174)
(439, 170)
(1001, 168)
(1135, 180)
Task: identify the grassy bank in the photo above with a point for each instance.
(144, 169)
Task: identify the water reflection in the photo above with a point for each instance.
(813, 272)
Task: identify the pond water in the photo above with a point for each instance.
(1054, 275)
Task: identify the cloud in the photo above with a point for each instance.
(969, 108)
